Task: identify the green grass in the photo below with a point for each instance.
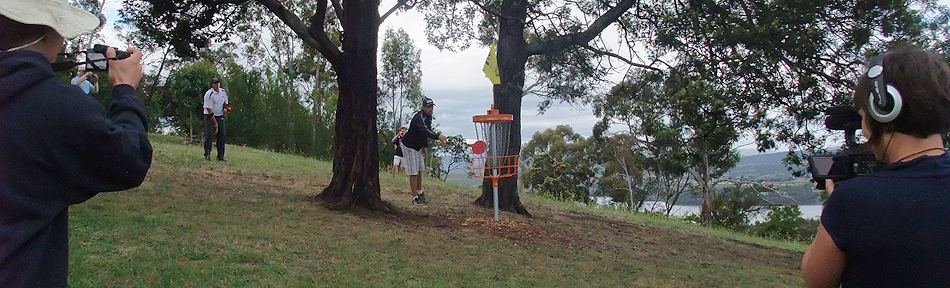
(247, 223)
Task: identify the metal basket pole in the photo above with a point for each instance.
(494, 184)
(493, 129)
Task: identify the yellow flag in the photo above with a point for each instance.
(491, 66)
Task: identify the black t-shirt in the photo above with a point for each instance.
(894, 225)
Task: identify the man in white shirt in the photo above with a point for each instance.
(215, 101)
(82, 80)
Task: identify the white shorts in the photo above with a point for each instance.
(412, 160)
(396, 160)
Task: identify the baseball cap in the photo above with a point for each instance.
(67, 20)
(428, 102)
(215, 80)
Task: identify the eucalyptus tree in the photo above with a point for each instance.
(636, 117)
(792, 58)
(771, 66)
(400, 80)
(84, 41)
(559, 164)
(682, 122)
(192, 25)
(622, 177)
(558, 40)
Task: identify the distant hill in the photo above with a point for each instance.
(761, 167)
(764, 167)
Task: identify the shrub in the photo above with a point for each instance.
(786, 223)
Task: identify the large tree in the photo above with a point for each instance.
(794, 58)
(193, 25)
(685, 124)
(556, 39)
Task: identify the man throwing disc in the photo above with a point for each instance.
(414, 145)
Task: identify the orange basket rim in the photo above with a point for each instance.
(491, 118)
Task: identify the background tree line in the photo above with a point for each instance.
(561, 164)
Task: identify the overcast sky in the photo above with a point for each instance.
(455, 81)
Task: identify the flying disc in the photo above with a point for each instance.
(479, 147)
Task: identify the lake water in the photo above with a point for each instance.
(808, 211)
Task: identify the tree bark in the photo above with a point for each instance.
(355, 166)
(512, 57)
(513, 52)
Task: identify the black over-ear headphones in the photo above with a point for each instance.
(884, 99)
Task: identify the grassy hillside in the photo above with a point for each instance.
(248, 223)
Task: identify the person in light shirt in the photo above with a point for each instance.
(87, 81)
(215, 107)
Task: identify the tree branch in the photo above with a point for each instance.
(621, 58)
(396, 7)
(315, 36)
(495, 13)
(582, 38)
(830, 78)
(338, 9)
(237, 2)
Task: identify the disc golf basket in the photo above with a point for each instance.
(490, 147)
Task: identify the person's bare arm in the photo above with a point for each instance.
(823, 262)
(95, 83)
(213, 121)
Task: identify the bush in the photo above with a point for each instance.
(786, 223)
(732, 207)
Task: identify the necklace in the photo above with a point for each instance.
(919, 152)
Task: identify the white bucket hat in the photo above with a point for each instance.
(67, 20)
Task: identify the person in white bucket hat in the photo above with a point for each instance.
(58, 146)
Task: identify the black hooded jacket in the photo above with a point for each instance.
(58, 147)
(420, 130)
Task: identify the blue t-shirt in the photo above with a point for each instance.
(86, 86)
(894, 225)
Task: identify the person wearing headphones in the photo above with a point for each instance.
(58, 145)
(890, 228)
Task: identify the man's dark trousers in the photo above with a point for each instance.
(221, 137)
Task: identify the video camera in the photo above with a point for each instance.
(847, 164)
(96, 59)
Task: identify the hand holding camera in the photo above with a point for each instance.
(124, 67)
(127, 70)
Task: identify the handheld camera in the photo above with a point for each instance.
(96, 59)
(849, 163)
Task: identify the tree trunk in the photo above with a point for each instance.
(706, 212)
(507, 97)
(355, 166)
